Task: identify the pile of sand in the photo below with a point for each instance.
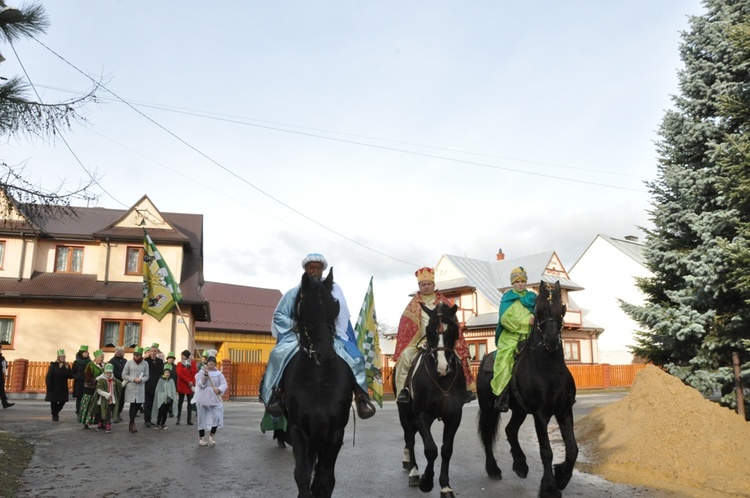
(665, 435)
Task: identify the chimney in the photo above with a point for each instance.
(631, 238)
(500, 255)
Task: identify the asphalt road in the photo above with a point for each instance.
(70, 461)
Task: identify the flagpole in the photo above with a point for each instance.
(195, 346)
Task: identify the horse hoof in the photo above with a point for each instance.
(495, 474)
(413, 481)
(405, 465)
(447, 493)
(426, 485)
(521, 470)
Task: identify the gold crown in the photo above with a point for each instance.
(425, 274)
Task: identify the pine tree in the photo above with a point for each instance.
(20, 116)
(695, 315)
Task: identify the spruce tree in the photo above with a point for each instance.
(695, 314)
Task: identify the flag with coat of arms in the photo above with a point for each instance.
(369, 345)
(160, 291)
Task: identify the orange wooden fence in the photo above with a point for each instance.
(244, 378)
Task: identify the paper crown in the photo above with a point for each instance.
(83, 348)
(205, 353)
(138, 350)
(518, 274)
(171, 355)
(425, 274)
(168, 366)
(109, 367)
(60, 352)
(98, 352)
(155, 345)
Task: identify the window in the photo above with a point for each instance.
(477, 350)
(125, 333)
(2, 254)
(7, 326)
(572, 350)
(455, 300)
(69, 259)
(134, 263)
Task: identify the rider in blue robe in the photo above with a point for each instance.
(287, 344)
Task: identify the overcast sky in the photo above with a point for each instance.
(382, 134)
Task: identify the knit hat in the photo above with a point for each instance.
(98, 352)
(60, 352)
(171, 355)
(138, 350)
(518, 274)
(83, 348)
(186, 353)
(316, 258)
(425, 275)
(109, 367)
(211, 358)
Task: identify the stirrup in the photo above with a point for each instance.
(403, 396)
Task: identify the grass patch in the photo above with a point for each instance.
(15, 455)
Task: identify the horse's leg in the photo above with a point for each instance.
(450, 428)
(564, 471)
(511, 431)
(325, 476)
(548, 487)
(409, 426)
(303, 462)
(424, 424)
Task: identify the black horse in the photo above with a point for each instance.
(541, 386)
(438, 391)
(317, 390)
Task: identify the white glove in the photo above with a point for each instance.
(103, 394)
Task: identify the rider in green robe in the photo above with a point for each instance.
(516, 318)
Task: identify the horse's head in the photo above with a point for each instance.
(315, 315)
(548, 316)
(441, 335)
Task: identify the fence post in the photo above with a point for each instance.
(607, 375)
(18, 378)
(226, 369)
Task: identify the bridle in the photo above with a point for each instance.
(310, 349)
(539, 327)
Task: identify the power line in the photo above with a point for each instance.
(213, 161)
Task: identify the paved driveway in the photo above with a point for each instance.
(70, 461)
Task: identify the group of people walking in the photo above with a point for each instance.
(150, 383)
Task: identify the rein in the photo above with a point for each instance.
(310, 350)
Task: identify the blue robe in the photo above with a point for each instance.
(287, 345)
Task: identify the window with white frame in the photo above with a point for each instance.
(134, 261)
(572, 350)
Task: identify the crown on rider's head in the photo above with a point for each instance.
(425, 274)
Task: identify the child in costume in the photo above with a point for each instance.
(108, 391)
(164, 395)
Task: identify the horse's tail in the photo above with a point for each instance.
(488, 417)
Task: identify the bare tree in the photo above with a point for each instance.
(21, 117)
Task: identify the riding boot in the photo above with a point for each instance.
(365, 409)
(178, 419)
(470, 396)
(404, 396)
(501, 403)
(275, 407)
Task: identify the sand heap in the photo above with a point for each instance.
(665, 435)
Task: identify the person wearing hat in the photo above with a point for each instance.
(287, 345)
(516, 316)
(155, 370)
(173, 377)
(108, 391)
(134, 377)
(164, 395)
(3, 373)
(210, 385)
(56, 380)
(79, 368)
(89, 413)
(119, 361)
(411, 333)
(186, 370)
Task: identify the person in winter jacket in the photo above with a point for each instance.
(56, 379)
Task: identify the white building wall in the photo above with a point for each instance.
(608, 274)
